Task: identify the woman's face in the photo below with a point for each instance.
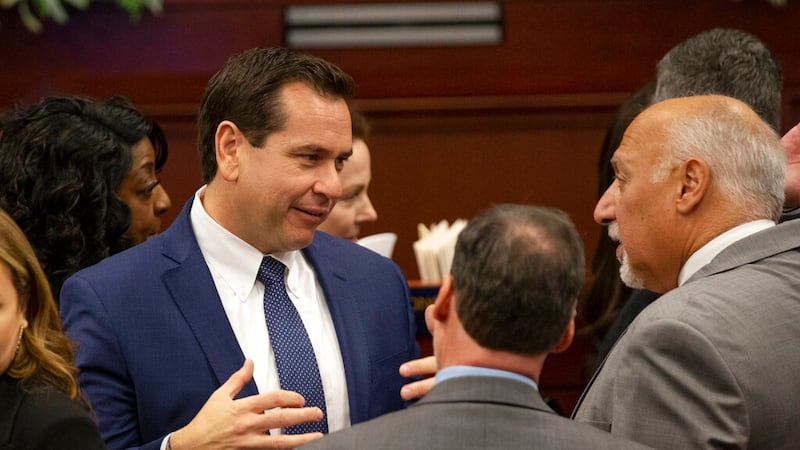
(143, 193)
(12, 318)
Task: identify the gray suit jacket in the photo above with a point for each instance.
(473, 413)
(714, 363)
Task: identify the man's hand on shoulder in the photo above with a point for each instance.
(422, 367)
(225, 423)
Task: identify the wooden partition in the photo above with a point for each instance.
(456, 129)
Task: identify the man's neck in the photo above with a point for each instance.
(528, 366)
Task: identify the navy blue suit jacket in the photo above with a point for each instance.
(154, 341)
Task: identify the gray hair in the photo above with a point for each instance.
(746, 157)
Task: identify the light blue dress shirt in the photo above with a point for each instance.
(472, 371)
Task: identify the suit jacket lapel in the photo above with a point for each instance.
(783, 237)
(596, 374)
(192, 288)
(347, 321)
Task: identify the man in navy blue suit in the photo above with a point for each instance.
(174, 350)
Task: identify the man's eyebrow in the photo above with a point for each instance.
(314, 148)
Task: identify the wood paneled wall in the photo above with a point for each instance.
(456, 129)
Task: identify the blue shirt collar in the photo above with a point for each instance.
(472, 371)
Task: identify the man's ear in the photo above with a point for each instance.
(566, 337)
(228, 141)
(791, 142)
(443, 303)
(440, 309)
(695, 179)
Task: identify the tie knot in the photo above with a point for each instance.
(271, 271)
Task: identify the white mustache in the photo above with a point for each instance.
(613, 231)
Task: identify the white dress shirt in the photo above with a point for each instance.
(234, 265)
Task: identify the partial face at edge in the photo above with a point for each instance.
(12, 318)
(143, 193)
(354, 208)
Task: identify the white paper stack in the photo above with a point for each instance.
(435, 247)
(381, 243)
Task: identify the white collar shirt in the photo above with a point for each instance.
(713, 247)
(234, 264)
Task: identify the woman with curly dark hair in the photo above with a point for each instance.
(41, 405)
(79, 177)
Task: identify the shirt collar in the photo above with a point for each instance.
(473, 371)
(235, 260)
(713, 247)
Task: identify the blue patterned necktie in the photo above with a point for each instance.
(294, 355)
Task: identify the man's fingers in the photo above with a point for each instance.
(423, 367)
(285, 441)
(417, 389)
(285, 417)
(271, 400)
(419, 367)
(238, 379)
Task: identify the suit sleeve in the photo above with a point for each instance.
(103, 377)
(674, 390)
